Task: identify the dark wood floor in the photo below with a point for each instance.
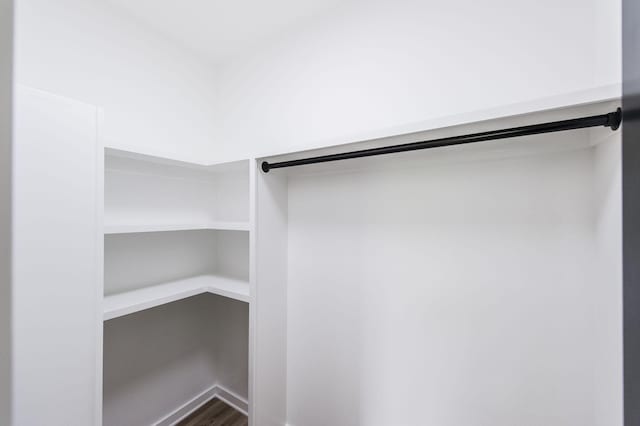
(215, 413)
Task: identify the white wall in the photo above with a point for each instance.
(6, 106)
(361, 68)
(157, 97)
(374, 65)
(159, 359)
(56, 260)
(472, 291)
(156, 360)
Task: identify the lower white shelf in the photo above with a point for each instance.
(138, 228)
(117, 305)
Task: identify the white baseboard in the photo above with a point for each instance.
(187, 408)
(234, 400)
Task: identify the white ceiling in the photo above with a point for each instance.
(219, 28)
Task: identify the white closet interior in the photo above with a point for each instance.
(462, 286)
(176, 240)
(483, 276)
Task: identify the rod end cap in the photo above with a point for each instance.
(265, 167)
(615, 118)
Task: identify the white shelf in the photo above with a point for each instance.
(117, 305)
(220, 226)
(591, 95)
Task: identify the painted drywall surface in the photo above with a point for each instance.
(157, 96)
(154, 361)
(137, 260)
(472, 290)
(56, 256)
(6, 106)
(359, 68)
(228, 334)
(382, 64)
(157, 360)
(219, 28)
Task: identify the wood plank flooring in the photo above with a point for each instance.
(215, 413)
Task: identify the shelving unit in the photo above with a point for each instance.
(126, 303)
(147, 194)
(176, 274)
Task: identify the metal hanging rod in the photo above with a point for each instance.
(611, 120)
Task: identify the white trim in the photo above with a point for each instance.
(233, 399)
(187, 408)
(253, 249)
(99, 180)
(215, 391)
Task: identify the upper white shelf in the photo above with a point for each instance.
(121, 304)
(137, 228)
(588, 96)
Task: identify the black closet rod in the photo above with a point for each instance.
(611, 120)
